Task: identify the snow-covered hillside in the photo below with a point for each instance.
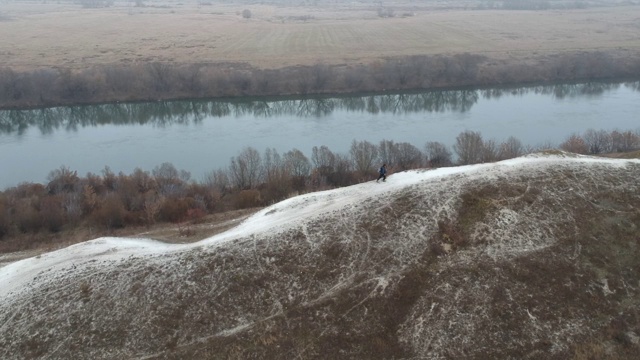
(527, 257)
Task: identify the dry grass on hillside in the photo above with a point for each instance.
(538, 260)
(624, 155)
(186, 232)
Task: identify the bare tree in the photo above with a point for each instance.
(489, 151)
(62, 180)
(143, 180)
(169, 179)
(218, 180)
(245, 169)
(341, 175)
(159, 75)
(320, 76)
(277, 176)
(409, 156)
(151, 207)
(624, 141)
(469, 147)
(575, 144)
(597, 141)
(363, 154)
(510, 148)
(297, 163)
(273, 165)
(438, 154)
(324, 161)
(388, 153)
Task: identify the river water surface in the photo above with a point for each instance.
(201, 136)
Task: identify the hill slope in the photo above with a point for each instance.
(536, 257)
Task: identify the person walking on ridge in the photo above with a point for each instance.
(383, 173)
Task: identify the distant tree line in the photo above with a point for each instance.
(161, 81)
(31, 212)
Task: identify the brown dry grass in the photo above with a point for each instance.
(624, 155)
(548, 271)
(170, 233)
(39, 35)
(191, 232)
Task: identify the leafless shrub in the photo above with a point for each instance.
(297, 163)
(144, 181)
(342, 174)
(438, 154)
(469, 147)
(246, 13)
(26, 216)
(218, 180)
(110, 214)
(52, 213)
(89, 199)
(245, 169)
(624, 141)
(363, 154)
(511, 148)
(320, 76)
(174, 209)
(62, 180)
(151, 207)
(575, 144)
(408, 156)
(109, 179)
(4, 219)
(170, 181)
(597, 142)
(387, 153)
(323, 159)
(489, 151)
(248, 199)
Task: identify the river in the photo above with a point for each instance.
(201, 136)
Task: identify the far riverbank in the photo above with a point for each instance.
(156, 81)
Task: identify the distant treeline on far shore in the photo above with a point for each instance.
(31, 212)
(166, 81)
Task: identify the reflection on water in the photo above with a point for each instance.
(164, 113)
(200, 136)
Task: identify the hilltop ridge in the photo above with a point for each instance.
(531, 257)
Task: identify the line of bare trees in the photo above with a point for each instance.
(161, 81)
(110, 201)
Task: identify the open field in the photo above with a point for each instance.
(40, 35)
